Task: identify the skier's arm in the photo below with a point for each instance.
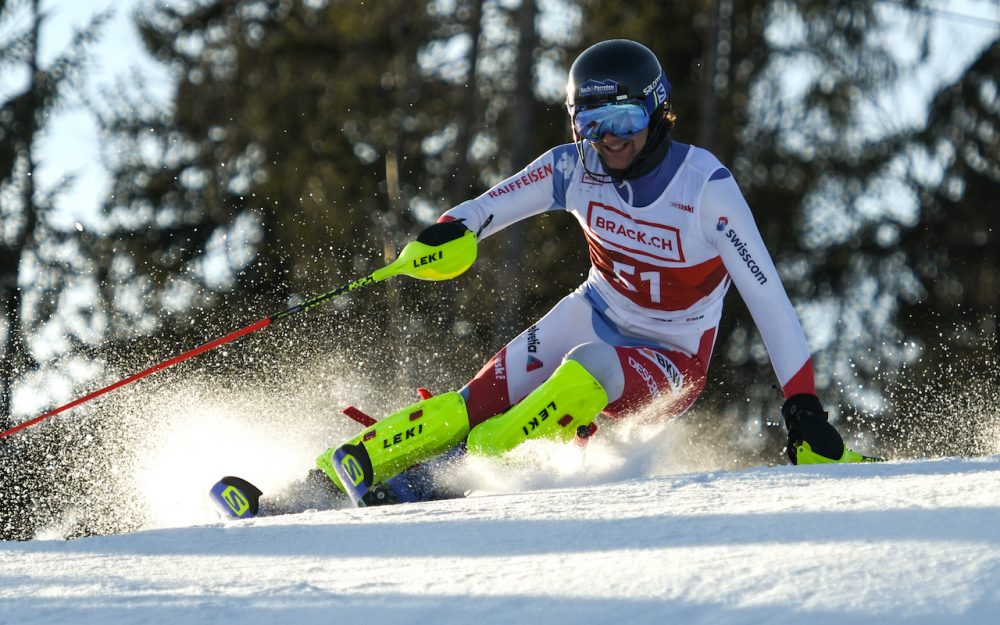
(539, 187)
(727, 223)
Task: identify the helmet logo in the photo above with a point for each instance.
(593, 87)
(659, 90)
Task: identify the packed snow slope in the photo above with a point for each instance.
(909, 542)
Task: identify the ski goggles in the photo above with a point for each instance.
(622, 120)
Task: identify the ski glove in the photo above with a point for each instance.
(441, 252)
(442, 232)
(806, 421)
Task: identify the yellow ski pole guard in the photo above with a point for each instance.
(441, 252)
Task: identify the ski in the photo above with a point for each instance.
(806, 456)
(236, 498)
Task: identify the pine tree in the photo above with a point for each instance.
(39, 261)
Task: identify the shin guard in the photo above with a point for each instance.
(569, 399)
(405, 438)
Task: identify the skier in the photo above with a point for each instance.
(668, 230)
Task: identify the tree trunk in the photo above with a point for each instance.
(14, 356)
(709, 96)
(508, 322)
(11, 348)
(462, 186)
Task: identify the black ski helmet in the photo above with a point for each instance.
(620, 71)
(616, 70)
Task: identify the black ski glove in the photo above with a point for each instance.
(442, 232)
(806, 421)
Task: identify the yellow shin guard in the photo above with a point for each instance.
(570, 398)
(405, 438)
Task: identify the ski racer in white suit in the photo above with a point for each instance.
(668, 231)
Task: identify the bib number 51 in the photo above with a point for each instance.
(648, 281)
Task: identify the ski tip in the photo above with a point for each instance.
(353, 466)
(873, 459)
(236, 498)
(852, 456)
(805, 455)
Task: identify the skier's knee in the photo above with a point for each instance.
(601, 361)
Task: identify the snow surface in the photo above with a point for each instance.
(909, 542)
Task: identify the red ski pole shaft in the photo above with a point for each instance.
(260, 325)
(263, 323)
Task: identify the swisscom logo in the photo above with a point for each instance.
(741, 249)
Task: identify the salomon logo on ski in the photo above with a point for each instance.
(352, 469)
(236, 498)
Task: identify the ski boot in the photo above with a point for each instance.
(402, 440)
(811, 437)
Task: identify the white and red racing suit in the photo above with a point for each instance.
(663, 250)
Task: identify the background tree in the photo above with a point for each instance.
(304, 145)
(306, 141)
(949, 313)
(809, 161)
(40, 260)
(281, 166)
(954, 246)
(36, 254)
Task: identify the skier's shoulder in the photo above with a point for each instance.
(703, 161)
(559, 163)
(565, 158)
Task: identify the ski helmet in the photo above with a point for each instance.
(614, 72)
(618, 86)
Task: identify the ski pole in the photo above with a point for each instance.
(435, 259)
